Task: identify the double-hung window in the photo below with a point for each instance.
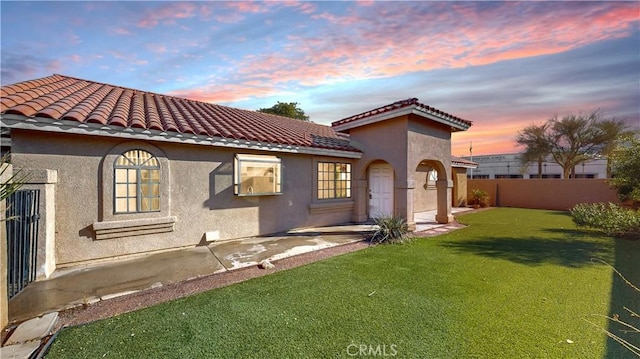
(137, 182)
(334, 180)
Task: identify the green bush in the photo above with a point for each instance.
(609, 218)
(390, 230)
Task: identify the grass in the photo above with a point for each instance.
(515, 283)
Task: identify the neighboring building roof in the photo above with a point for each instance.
(399, 108)
(462, 163)
(60, 103)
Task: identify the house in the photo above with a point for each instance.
(126, 172)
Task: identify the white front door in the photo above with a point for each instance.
(380, 191)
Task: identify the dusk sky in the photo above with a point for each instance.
(502, 65)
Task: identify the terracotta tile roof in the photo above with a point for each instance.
(412, 102)
(66, 98)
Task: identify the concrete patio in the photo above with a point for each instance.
(38, 304)
(83, 285)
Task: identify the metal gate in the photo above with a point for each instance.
(22, 238)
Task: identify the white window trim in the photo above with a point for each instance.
(107, 213)
(237, 173)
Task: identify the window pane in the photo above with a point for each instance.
(132, 204)
(121, 175)
(133, 175)
(132, 190)
(144, 190)
(155, 175)
(121, 205)
(155, 204)
(121, 190)
(144, 175)
(145, 204)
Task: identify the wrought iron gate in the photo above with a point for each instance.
(22, 238)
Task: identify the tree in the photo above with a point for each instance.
(286, 109)
(574, 139)
(613, 132)
(537, 148)
(571, 140)
(626, 169)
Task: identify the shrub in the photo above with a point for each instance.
(390, 230)
(626, 169)
(479, 197)
(608, 218)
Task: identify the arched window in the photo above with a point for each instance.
(137, 182)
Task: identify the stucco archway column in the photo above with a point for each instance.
(361, 201)
(444, 188)
(404, 201)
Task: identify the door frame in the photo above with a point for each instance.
(370, 173)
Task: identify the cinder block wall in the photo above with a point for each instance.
(554, 194)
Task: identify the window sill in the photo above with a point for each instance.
(133, 227)
(332, 206)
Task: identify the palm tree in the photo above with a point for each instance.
(536, 145)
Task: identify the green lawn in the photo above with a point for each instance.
(515, 283)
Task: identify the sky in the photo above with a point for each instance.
(501, 65)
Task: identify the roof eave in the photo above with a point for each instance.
(463, 165)
(95, 129)
(414, 109)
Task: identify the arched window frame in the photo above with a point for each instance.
(137, 182)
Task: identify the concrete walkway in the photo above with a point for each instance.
(84, 285)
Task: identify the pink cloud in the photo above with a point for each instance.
(247, 6)
(156, 48)
(131, 59)
(75, 58)
(390, 41)
(225, 93)
(167, 14)
(231, 18)
(120, 31)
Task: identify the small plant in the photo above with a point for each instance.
(608, 218)
(479, 198)
(390, 230)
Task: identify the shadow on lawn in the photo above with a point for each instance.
(623, 295)
(566, 252)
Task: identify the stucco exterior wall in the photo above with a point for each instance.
(554, 194)
(425, 192)
(459, 187)
(429, 141)
(382, 141)
(404, 142)
(200, 195)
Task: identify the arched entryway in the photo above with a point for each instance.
(432, 190)
(381, 189)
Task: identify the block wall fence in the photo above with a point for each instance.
(553, 194)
